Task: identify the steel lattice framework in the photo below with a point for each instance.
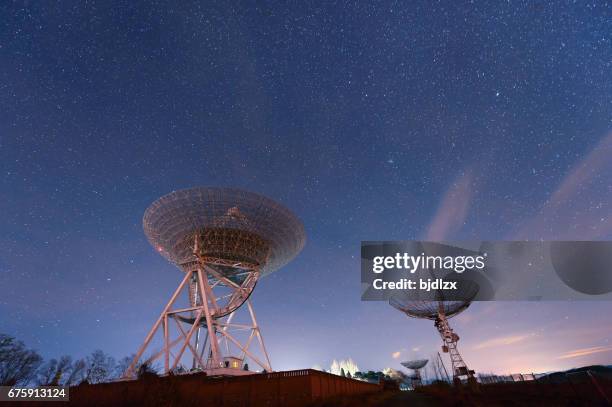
(224, 240)
(440, 311)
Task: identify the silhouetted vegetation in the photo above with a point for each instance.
(591, 385)
(100, 368)
(18, 365)
(145, 370)
(62, 372)
(22, 366)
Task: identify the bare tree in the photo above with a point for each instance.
(62, 372)
(18, 364)
(100, 367)
(425, 375)
(434, 368)
(46, 373)
(126, 361)
(441, 372)
(76, 374)
(123, 365)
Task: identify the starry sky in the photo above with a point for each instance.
(371, 121)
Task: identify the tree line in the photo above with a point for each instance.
(21, 366)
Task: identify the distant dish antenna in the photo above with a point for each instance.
(440, 311)
(415, 366)
(224, 240)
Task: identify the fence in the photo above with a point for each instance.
(515, 377)
(585, 385)
(294, 388)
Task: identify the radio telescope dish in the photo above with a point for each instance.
(415, 364)
(232, 224)
(439, 309)
(224, 240)
(430, 309)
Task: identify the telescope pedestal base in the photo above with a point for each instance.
(220, 353)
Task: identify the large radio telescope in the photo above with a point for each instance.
(440, 310)
(415, 366)
(224, 240)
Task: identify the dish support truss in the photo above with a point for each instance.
(205, 329)
(450, 339)
(416, 378)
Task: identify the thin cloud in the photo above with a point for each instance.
(502, 341)
(583, 172)
(453, 209)
(585, 352)
(592, 224)
(396, 355)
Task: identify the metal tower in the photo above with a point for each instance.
(440, 311)
(224, 240)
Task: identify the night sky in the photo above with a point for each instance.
(370, 122)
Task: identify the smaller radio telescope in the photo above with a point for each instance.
(415, 366)
(224, 241)
(440, 311)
